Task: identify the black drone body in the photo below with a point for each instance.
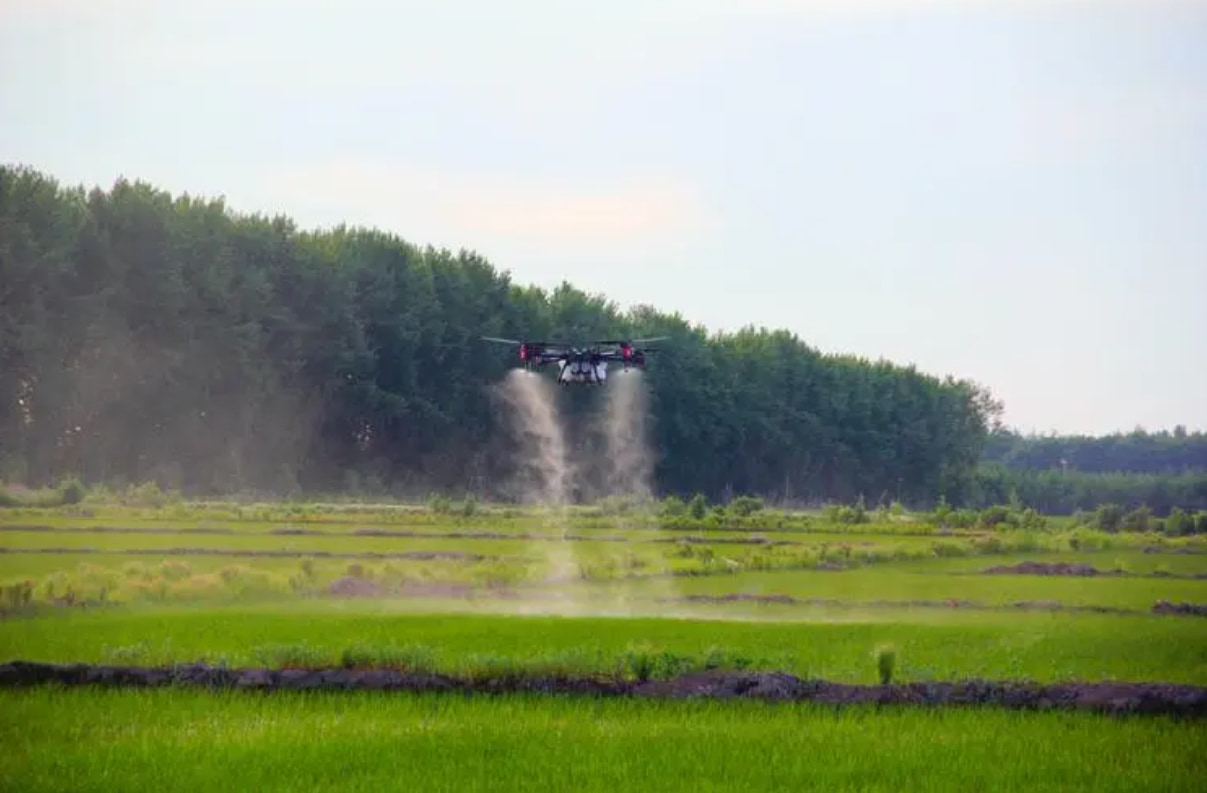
(582, 365)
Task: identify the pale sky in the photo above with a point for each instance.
(1013, 191)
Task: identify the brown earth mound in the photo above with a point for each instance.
(1025, 605)
(352, 586)
(1193, 609)
(1079, 569)
(1181, 550)
(422, 555)
(1107, 697)
(1047, 568)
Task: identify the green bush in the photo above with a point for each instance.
(1178, 523)
(698, 506)
(1030, 519)
(998, 515)
(1200, 522)
(850, 515)
(1137, 520)
(1108, 517)
(672, 507)
(440, 504)
(745, 505)
(71, 491)
(886, 660)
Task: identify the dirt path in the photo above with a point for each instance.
(1105, 697)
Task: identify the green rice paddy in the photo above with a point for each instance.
(239, 585)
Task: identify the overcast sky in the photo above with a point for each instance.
(1015, 193)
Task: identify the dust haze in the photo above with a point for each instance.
(630, 461)
(542, 464)
(542, 461)
(545, 475)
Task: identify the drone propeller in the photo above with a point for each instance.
(540, 345)
(632, 342)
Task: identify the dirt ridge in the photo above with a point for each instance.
(280, 554)
(1080, 569)
(950, 603)
(1117, 698)
(294, 531)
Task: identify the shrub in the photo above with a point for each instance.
(1108, 517)
(71, 491)
(1030, 519)
(440, 504)
(148, 494)
(847, 514)
(16, 596)
(941, 513)
(642, 662)
(998, 515)
(672, 507)
(1178, 523)
(745, 505)
(1137, 519)
(886, 660)
(698, 506)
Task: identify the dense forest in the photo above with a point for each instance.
(150, 336)
(1065, 491)
(146, 336)
(1163, 452)
(1061, 474)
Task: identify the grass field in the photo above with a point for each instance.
(100, 740)
(582, 592)
(1042, 647)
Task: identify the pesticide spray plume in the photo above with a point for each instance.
(630, 470)
(630, 461)
(543, 464)
(546, 477)
(542, 456)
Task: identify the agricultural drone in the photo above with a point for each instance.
(582, 365)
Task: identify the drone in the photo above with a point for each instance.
(582, 365)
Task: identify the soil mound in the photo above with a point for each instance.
(1106, 697)
(1045, 568)
(275, 554)
(951, 603)
(1193, 609)
(351, 586)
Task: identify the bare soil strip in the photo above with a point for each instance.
(290, 531)
(1076, 569)
(422, 555)
(1103, 697)
(1025, 605)
(1160, 607)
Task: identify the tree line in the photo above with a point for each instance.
(146, 336)
(1162, 471)
(1066, 492)
(1139, 451)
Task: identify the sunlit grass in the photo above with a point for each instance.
(886, 583)
(1042, 646)
(86, 740)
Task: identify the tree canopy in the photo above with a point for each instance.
(1139, 451)
(151, 336)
